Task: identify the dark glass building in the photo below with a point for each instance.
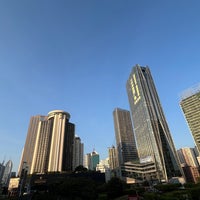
(126, 146)
(153, 138)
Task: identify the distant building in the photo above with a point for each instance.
(77, 153)
(2, 167)
(151, 130)
(103, 165)
(189, 164)
(187, 156)
(190, 104)
(91, 160)
(49, 143)
(113, 159)
(87, 160)
(126, 146)
(94, 160)
(7, 173)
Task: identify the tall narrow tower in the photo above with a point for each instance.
(126, 146)
(190, 104)
(151, 131)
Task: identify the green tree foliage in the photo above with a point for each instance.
(80, 168)
(167, 187)
(77, 188)
(115, 188)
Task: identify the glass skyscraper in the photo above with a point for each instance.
(153, 138)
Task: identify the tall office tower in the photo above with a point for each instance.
(49, 143)
(7, 173)
(113, 160)
(27, 155)
(126, 146)
(187, 156)
(190, 104)
(78, 152)
(151, 131)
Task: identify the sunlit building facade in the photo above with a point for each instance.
(125, 142)
(49, 143)
(113, 159)
(187, 156)
(190, 104)
(153, 138)
(27, 155)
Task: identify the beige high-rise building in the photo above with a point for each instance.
(190, 104)
(27, 153)
(49, 143)
(113, 160)
(187, 156)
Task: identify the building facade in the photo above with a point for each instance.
(49, 143)
(113, 159)
(7, 174)
(94, 160)
(154, 141)
(126, 146)
(187, 156)
(78, 152)
(190, 104)
(189, 164)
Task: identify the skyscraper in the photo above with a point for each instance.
(49, 143)
(153, 138)
(27, 155)
(126, 146)
(190, 104)
(7, 173)
(78, 152)
(113, 159)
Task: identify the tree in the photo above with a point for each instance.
(115, 188)
(80, 168)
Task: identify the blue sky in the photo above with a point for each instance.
(76, 55)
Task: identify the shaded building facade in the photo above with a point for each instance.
(49, 143)
(153, 138)
(125, 142)
(78, 152)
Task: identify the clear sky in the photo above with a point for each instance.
(76, 55)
